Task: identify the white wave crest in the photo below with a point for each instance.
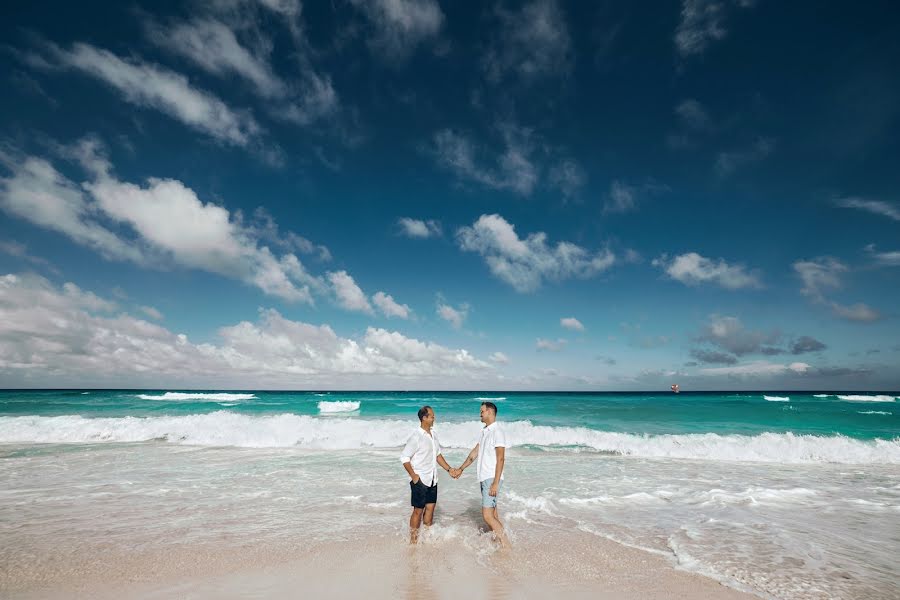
(822, 395)
(488, 399)
(777, 398)
(338, 406)
(861, 398)
(215, 397)
(874, 412)
(288, 430)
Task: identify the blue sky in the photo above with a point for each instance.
(428, 195)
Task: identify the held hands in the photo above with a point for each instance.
(455, 473)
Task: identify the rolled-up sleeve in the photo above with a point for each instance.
(437, 444)
(499, 438)
(409, 449)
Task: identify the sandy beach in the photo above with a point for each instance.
(573, 564)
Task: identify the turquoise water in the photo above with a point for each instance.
(873, 415)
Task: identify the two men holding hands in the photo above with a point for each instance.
(422, 455)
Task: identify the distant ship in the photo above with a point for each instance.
(675, 388)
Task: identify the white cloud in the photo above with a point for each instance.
(164, 221)
(454, 316)
(884, 259)
(568, 177)
(214, 46)
(877, 207)
(499, 358)
(702, 23)
(514, 170)
(728, 162)
(757, 368)
(348, 294)
(694, 115)
(532, 44)
(151, 86)
(152, 312)
(730, 334)
(692, 269)
(623, 197)
(550, 345)
(401, 25)
(389, 307)
(824, 274)
(66, 337)
(526, 263)
(571, 323)
(416, 228)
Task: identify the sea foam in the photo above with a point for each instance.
(338, 406)
(861, 398)
(301, 431)
(777, 398)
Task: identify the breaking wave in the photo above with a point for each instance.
(288, 430)
(215, 397)
(777, 398)
(326, 407)
(859, 398)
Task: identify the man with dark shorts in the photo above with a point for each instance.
(421, 457)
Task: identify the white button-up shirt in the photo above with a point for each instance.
(492, 437)
(421, 451)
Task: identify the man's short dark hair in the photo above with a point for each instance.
(423, 412)
(491, 406)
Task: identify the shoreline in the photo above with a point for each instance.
(574, 563)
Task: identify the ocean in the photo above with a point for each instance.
(784, 494)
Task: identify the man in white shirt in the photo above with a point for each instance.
(421, 457)
(490, 454)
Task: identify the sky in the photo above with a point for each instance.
(416, 194)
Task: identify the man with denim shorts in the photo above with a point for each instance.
(421, 457)
(490, 454)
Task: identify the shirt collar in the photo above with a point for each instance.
(491, 426)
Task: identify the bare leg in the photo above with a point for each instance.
(429, 514)
(492, 520)
(415, 519)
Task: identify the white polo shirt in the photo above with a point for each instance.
(421, 451)
(492, 437)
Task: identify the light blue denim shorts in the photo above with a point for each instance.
(488, 501)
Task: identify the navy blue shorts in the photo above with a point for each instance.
(422, 494)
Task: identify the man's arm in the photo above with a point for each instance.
(412, 474)
(445, 465)
(406, 457)
(469, 459)
(501, 458)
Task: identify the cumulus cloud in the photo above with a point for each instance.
(550, 345)
(399, 26)
(806, 344)
(454, 316)
(499, 358)
(416, 228)
(532, 43)
(702, 23)
(823, 275)
(728, 333)
(70, 337)
(348, 294)
(693, 269)
(526, 263)
(389, 307)
(713, 357)
(514, 169)
(158, 223)
(571, 323)
(151, 312)
(877, 207)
